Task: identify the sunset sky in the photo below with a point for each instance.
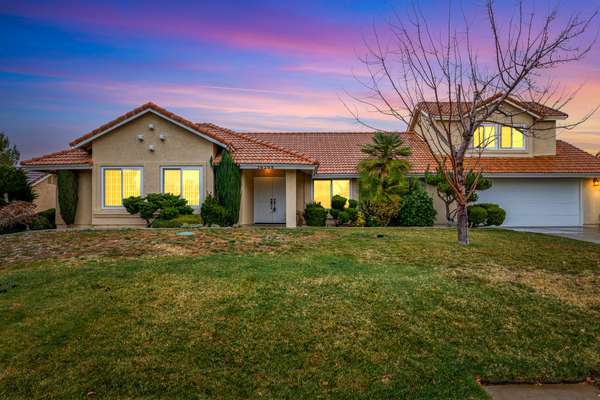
(68, 67)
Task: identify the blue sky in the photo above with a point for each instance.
(68, 67)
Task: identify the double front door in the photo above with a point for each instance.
(269, 200)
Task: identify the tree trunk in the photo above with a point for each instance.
(449, 220)
(463, 224)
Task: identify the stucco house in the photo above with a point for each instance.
(540, 181)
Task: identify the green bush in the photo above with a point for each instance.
(335, 213)
(477, 215)
(228, 183)
(343, 217)
(495, 214)
(352, 203)
(163, 206)
(416, 210)
(315, 214)
(213, 213)
(14, 185)
(352, 214)
(338, 202)
(68, 184)
(379, 213)
(44, 220)
(178, 222)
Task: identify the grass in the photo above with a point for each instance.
(307, 313)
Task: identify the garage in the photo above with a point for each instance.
(536, 202)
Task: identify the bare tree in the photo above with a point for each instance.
(439, 86)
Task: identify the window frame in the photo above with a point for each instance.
(498, 138)
(312, 188)
(181, 168)
(120, 168)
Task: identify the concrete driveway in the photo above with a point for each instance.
(578, 233)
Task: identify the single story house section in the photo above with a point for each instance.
(539, 181)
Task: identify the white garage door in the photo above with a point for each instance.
(536, 202)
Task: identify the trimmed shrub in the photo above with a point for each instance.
(163, 206)
(338, 202)
(352, 203)
(213, 213)
(495, 215)
(178, 222)
(68, 184)
(379, 213)
(315, 214)
(416, 210)
(343, 217)
(352, 214)
(228, 183)
(15, 216)
(335, 213)
(44, 220)
(477, 215)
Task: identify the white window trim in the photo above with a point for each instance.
(498, 139)
(184, 167)
(102, 169)
(312, 188)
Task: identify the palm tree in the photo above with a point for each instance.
(383, 173)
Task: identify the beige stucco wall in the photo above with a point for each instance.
(541, 138)
(83, 216)
(122, 148)
(46, 194)
(590, 199)
(290, 198)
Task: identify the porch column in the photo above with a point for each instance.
(290, 198)
(247, 198)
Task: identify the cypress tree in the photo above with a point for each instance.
(67, 195)
(228, 182)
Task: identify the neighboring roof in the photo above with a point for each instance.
(568, 160)
(246, 149)
(138, 111)
(61, 158)
(33, 177)
(340, 152)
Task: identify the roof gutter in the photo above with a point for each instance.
(56, 167)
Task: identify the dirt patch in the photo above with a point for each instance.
(135, 243)
(581, 289)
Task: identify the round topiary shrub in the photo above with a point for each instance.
(495, 216)
(315, 214)
(416, 210)
(352, 203)
(338, 202)
(477, 215)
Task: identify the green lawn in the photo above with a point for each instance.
(277, 314)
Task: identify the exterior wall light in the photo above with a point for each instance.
(151, 127)
(163, 136)
(140, 137)
(596, 182)
(151, 148)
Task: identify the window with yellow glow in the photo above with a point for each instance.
(512, 138)
(120, 183)
(325, 189)
(485, 137)
(184, 182)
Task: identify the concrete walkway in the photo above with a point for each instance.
(578, 233)
(576, 391)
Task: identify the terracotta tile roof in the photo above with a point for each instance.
(63, 157)
(447, 109)
(247, 149)
(568, 159)
(132, 113)
(340, 152)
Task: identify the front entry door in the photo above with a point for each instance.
(269, 200)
